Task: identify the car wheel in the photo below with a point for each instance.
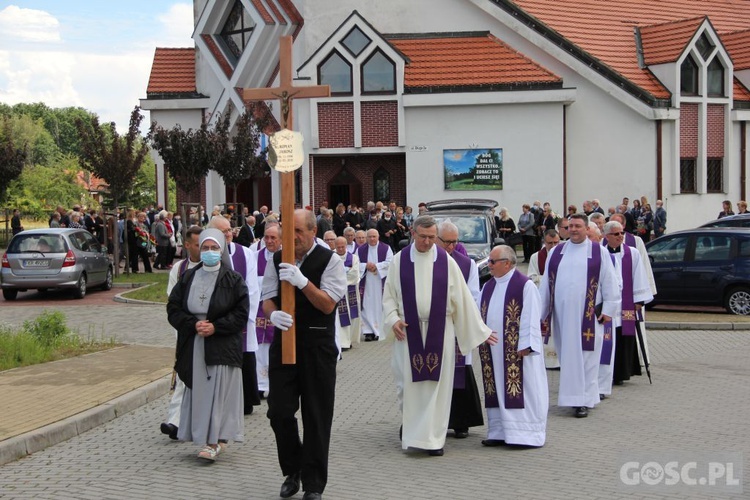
(80, 291)
(10, 294)
(107, 285)
(738, 301)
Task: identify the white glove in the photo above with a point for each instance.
(293, 275)
(281, 320)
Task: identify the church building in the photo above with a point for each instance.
(513, 101)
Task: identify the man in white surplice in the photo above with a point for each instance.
(348, 335)
(527, 424)
(374, 261)
(579, 367)
(426, 404)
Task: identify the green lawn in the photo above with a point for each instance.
(155, 289)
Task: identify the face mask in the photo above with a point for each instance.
(387, 218)
(210, 257)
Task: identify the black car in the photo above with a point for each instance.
(737, 220)
(476, 227)
(703, 266)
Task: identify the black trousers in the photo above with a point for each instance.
(312, 381)
(529, 245)
(466, 407)
(626, 357)
(249, 381)
(138, 251)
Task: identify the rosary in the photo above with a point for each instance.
(203, 296)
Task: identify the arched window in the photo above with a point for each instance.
(378, 74)
(337, 73)
(716, 78)
(236, 32)
(381, 182)
(689, 77)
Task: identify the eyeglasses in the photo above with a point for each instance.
(616, 234)
(448, 242)
(495, 261)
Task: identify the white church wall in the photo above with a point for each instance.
(529, 134)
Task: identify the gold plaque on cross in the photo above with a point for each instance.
(286, 153)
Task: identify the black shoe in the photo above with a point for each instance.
(170, 430)
(602, 396)
(290, 485)
(310, 495)
(261, 395)
(492, 442)
(249, 410)
(582, 412)
(435, 453)
(369, 337)
(618, 382)
(461, 433)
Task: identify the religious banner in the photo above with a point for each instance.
(473, 169)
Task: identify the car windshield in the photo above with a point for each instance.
(471, 229)
(30, 243)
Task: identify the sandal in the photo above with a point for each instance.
(209, 454)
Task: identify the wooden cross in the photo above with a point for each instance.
(286, 92)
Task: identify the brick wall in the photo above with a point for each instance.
(688, 130)
(336, 124)
(715, 130)
(379, 124)
(194, 196)
(325, 168)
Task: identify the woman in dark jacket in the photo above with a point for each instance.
(209, 308)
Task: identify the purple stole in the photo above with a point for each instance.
(428, 355)
(628, 306)
(240, 265)
(263, 327)
(512, 363)
(459, 378)
(541, 262)
(362, 252)
(588, 321)
(183, 266)
(343, 309)
(606, 357)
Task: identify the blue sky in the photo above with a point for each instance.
(88, 53)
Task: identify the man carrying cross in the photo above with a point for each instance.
(580, 292)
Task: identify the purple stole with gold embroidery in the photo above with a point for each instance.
(459, 378)
(240, 266)
(342, 306)
(606, 357)
(512, 363)
(628, 306)
(426, 359)
(541, 260)
(588, 321)
(362, 252)
(263, 327)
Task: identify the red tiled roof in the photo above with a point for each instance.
(173, 72)
(604, 29)
(663, 43)
(741, 93)
(466, 60)
(738, 46)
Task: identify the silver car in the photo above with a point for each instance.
(54, 258)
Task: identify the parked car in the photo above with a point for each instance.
(54, 258)
(476, 227)
(703, 266)
(738, 220)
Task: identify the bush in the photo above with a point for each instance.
(19, 349)
(49, 328)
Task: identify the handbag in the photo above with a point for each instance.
(514, 239)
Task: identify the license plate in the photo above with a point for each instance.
(36, 263)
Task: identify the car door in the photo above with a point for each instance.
(667, 255)
(709, 269)
(97, 267)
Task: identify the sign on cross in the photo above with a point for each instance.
(286, 92)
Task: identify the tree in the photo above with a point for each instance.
(12, 158)
(112, 157)
(186, 153)
(237, 158)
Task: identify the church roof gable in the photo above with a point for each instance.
(665, 42)
(737, 44)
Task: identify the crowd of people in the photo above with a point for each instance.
(367, 275)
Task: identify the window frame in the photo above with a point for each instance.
(687, 190)
(343, 41)
(351, 73)
(362, 75)
(381, 173)
(246, 33)
(695, 77)
(722, 92)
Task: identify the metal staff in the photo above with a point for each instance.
(643, 349)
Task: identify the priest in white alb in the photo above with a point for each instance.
(580, 293)
(550, 239)
(374, 261)
(513, 372)
(347, 310)
(427, 307)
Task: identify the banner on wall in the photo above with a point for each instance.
(473, 169)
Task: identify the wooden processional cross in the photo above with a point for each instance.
(286, 92)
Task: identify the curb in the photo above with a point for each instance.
(125, 300)
(670, 325)
(25, 444)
